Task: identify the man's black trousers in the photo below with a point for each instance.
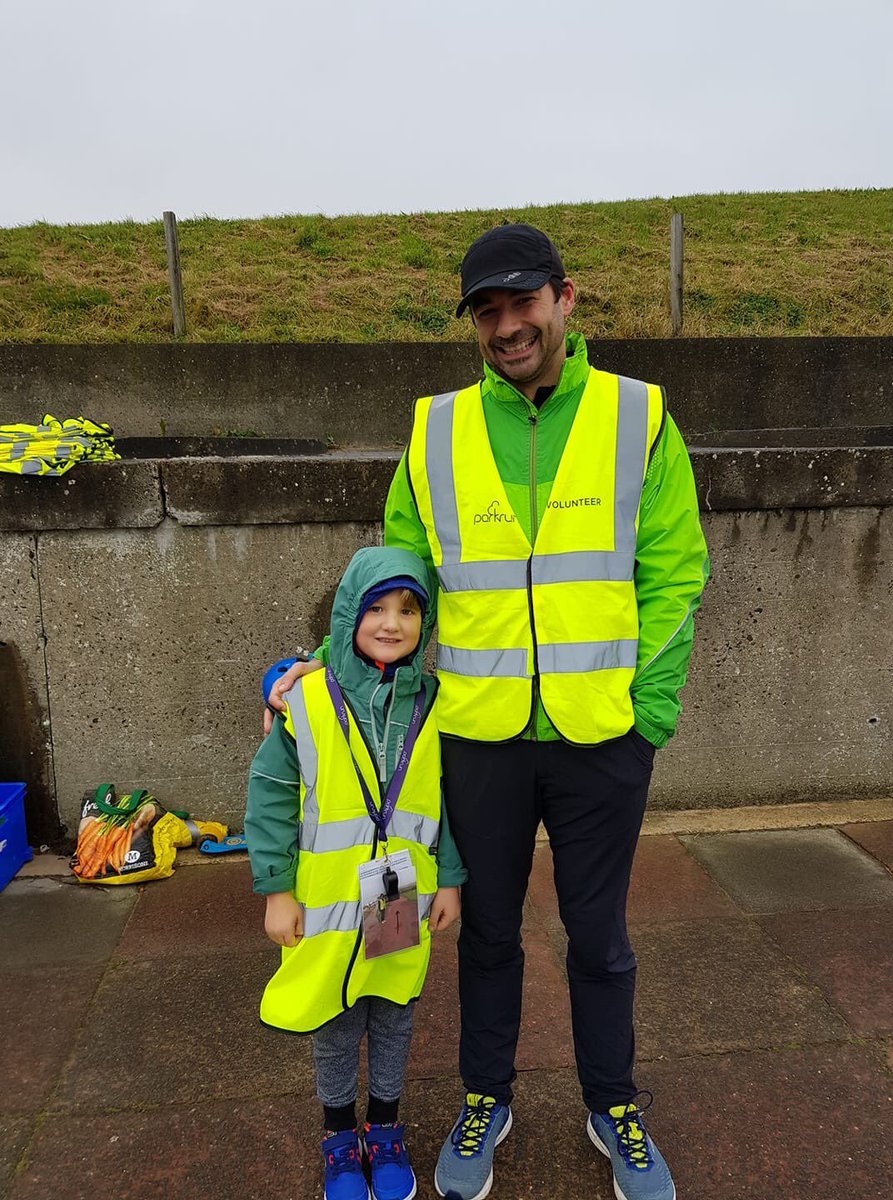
(591, 801)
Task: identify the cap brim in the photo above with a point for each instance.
(520, 281)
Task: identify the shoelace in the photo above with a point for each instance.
(387, 1149)
(342, 1159)
(473, 1126)
(631, 1136)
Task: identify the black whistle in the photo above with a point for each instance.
(391, 884)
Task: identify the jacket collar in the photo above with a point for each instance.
(573, 376)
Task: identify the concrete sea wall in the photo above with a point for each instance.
(140, 601)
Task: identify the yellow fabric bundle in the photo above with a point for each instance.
(53, 446)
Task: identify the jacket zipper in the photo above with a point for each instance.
(534, 523)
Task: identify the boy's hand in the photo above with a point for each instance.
(284, 919)
(445, 909)
(283, 685)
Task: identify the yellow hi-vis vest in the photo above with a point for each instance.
(562, 611)
(327, 971)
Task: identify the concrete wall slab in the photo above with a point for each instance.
(362, 395)
(118, 495)
(25, 742)
(790, 691)
(156, 647)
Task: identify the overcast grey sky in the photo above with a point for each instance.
(123, 108)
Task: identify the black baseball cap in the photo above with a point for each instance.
(518, 257)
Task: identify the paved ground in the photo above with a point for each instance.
(133, 1063)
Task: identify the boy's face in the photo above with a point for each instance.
(390, 629)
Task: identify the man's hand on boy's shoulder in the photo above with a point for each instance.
(284, 919)
(445, 909)
(283, 686)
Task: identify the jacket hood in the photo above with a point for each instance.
(371, 566)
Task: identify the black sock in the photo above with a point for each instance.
(382, 1112)
(338, 1119)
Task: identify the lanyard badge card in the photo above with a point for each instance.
(390, 902)
(388, 885)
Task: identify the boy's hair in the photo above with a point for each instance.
(409, 599)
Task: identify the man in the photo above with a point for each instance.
(557, 506)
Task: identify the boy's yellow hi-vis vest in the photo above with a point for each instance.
(327, 971)
(562, 611)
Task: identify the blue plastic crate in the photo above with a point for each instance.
(14, 848)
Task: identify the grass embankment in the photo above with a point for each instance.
(798, 263)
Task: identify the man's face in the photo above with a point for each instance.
(521, 334)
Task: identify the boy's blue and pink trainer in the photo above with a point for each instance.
(392, 1175)
(343, 1159)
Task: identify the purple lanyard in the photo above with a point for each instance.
(380, 817)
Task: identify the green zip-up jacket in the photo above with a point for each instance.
(672, 564)
(383, 709)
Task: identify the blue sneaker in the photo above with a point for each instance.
(343, 1157)
(465, 1167)
(640, 1172)
(392, 1176)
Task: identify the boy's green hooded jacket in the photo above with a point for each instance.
(382, 707)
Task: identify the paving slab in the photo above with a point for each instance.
(14, 1135)
(435, 1041)
(715, 986)
(40, 1011)
(546, 1039)
(874, 836)
(811, 1123)
(223, 1150)
(669, 885)
(52, 922)
(187, 1030)
(196, 911)
(849, 955)
(542, 902)
(793, 870)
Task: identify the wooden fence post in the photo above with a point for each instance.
(676, 252)
(172, 244)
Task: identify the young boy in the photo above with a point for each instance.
(349, 842)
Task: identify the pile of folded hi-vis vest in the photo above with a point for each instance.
(53, 447)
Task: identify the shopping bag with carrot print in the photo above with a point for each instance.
(132, 838)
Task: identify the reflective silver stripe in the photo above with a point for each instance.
(565, 658)
(579, 566)
(309, 761)
(18, 449)
(342, 917)
(499, 576)
(31, 466)
(331, 836)
(337, 835)
(414, 827)
(629, 471)
(482, 664)
(441, 481)
(574, 566)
